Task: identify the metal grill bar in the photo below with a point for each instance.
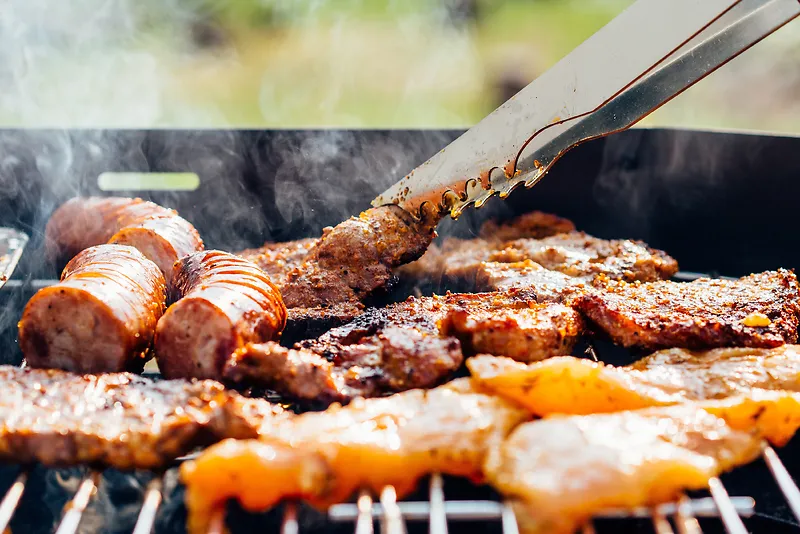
(11, 500)
(509, 519)
(147, 515)
(289, 524)
(660, 523)
(438, 517)
(74, 509)
(492, 510)
(391, 518)
(784, 479)
(364, 518)
(727, 511)
(684, 518)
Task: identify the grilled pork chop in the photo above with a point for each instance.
(568, 385)
(117, 419)
(561, 471)
(369, 443)
(760, 310)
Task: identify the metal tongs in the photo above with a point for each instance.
(650, 53)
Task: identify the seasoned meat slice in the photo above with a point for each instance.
(561, 471)
(568, 385)
(760, 310)
(356, 257)
(396, 359)
(279, 259)
(531, 277)
(324, 457)
(579, 254)
(510, 323)
(100, 317)
(223, 303)
(454, 256)
(117, 419)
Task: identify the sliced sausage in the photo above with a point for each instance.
(101, 316)
(226, 303)
(159, 233)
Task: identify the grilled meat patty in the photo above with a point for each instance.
(159, 233)
(324, 457)
(223, 302)
(100, 317)
(568, 385)
(561, 471)
(760, 310)
(117, 419)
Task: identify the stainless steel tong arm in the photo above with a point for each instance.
(647, 55)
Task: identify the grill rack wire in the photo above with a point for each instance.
(437, 511)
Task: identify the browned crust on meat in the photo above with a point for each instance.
(225, 303)
(396, 359)
(535, 224)
(84, 222)
(279, 259)
(527, 334)
(100, 317)
(117, 419)
(705, 313)
(356, 257)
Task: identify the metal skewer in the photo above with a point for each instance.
(660, 523)
(509, 520)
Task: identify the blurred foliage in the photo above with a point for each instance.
(343, 63)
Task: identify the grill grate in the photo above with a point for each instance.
(437, 511)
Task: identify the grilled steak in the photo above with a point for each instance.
(117, 419)
(369, 443)
(760, 310)
(159, 233)
(561, 471)
(568, 385)
(100, 317)
(225, 302)
(279, 259)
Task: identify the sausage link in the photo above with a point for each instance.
(101, 316)
(225, 303)
(159, 233)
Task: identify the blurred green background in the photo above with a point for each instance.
(333, 63)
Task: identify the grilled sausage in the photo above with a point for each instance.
(100, 317)
(226, 303)
(159, 233)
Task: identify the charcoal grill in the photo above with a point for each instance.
(720, 202)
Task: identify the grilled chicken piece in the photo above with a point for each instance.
(561, 471)
(760, 310)
(568, 385)
(324, 457)
(117, 419)
(223, 303)
(397, 359)
(83, 222)
(100, 317)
